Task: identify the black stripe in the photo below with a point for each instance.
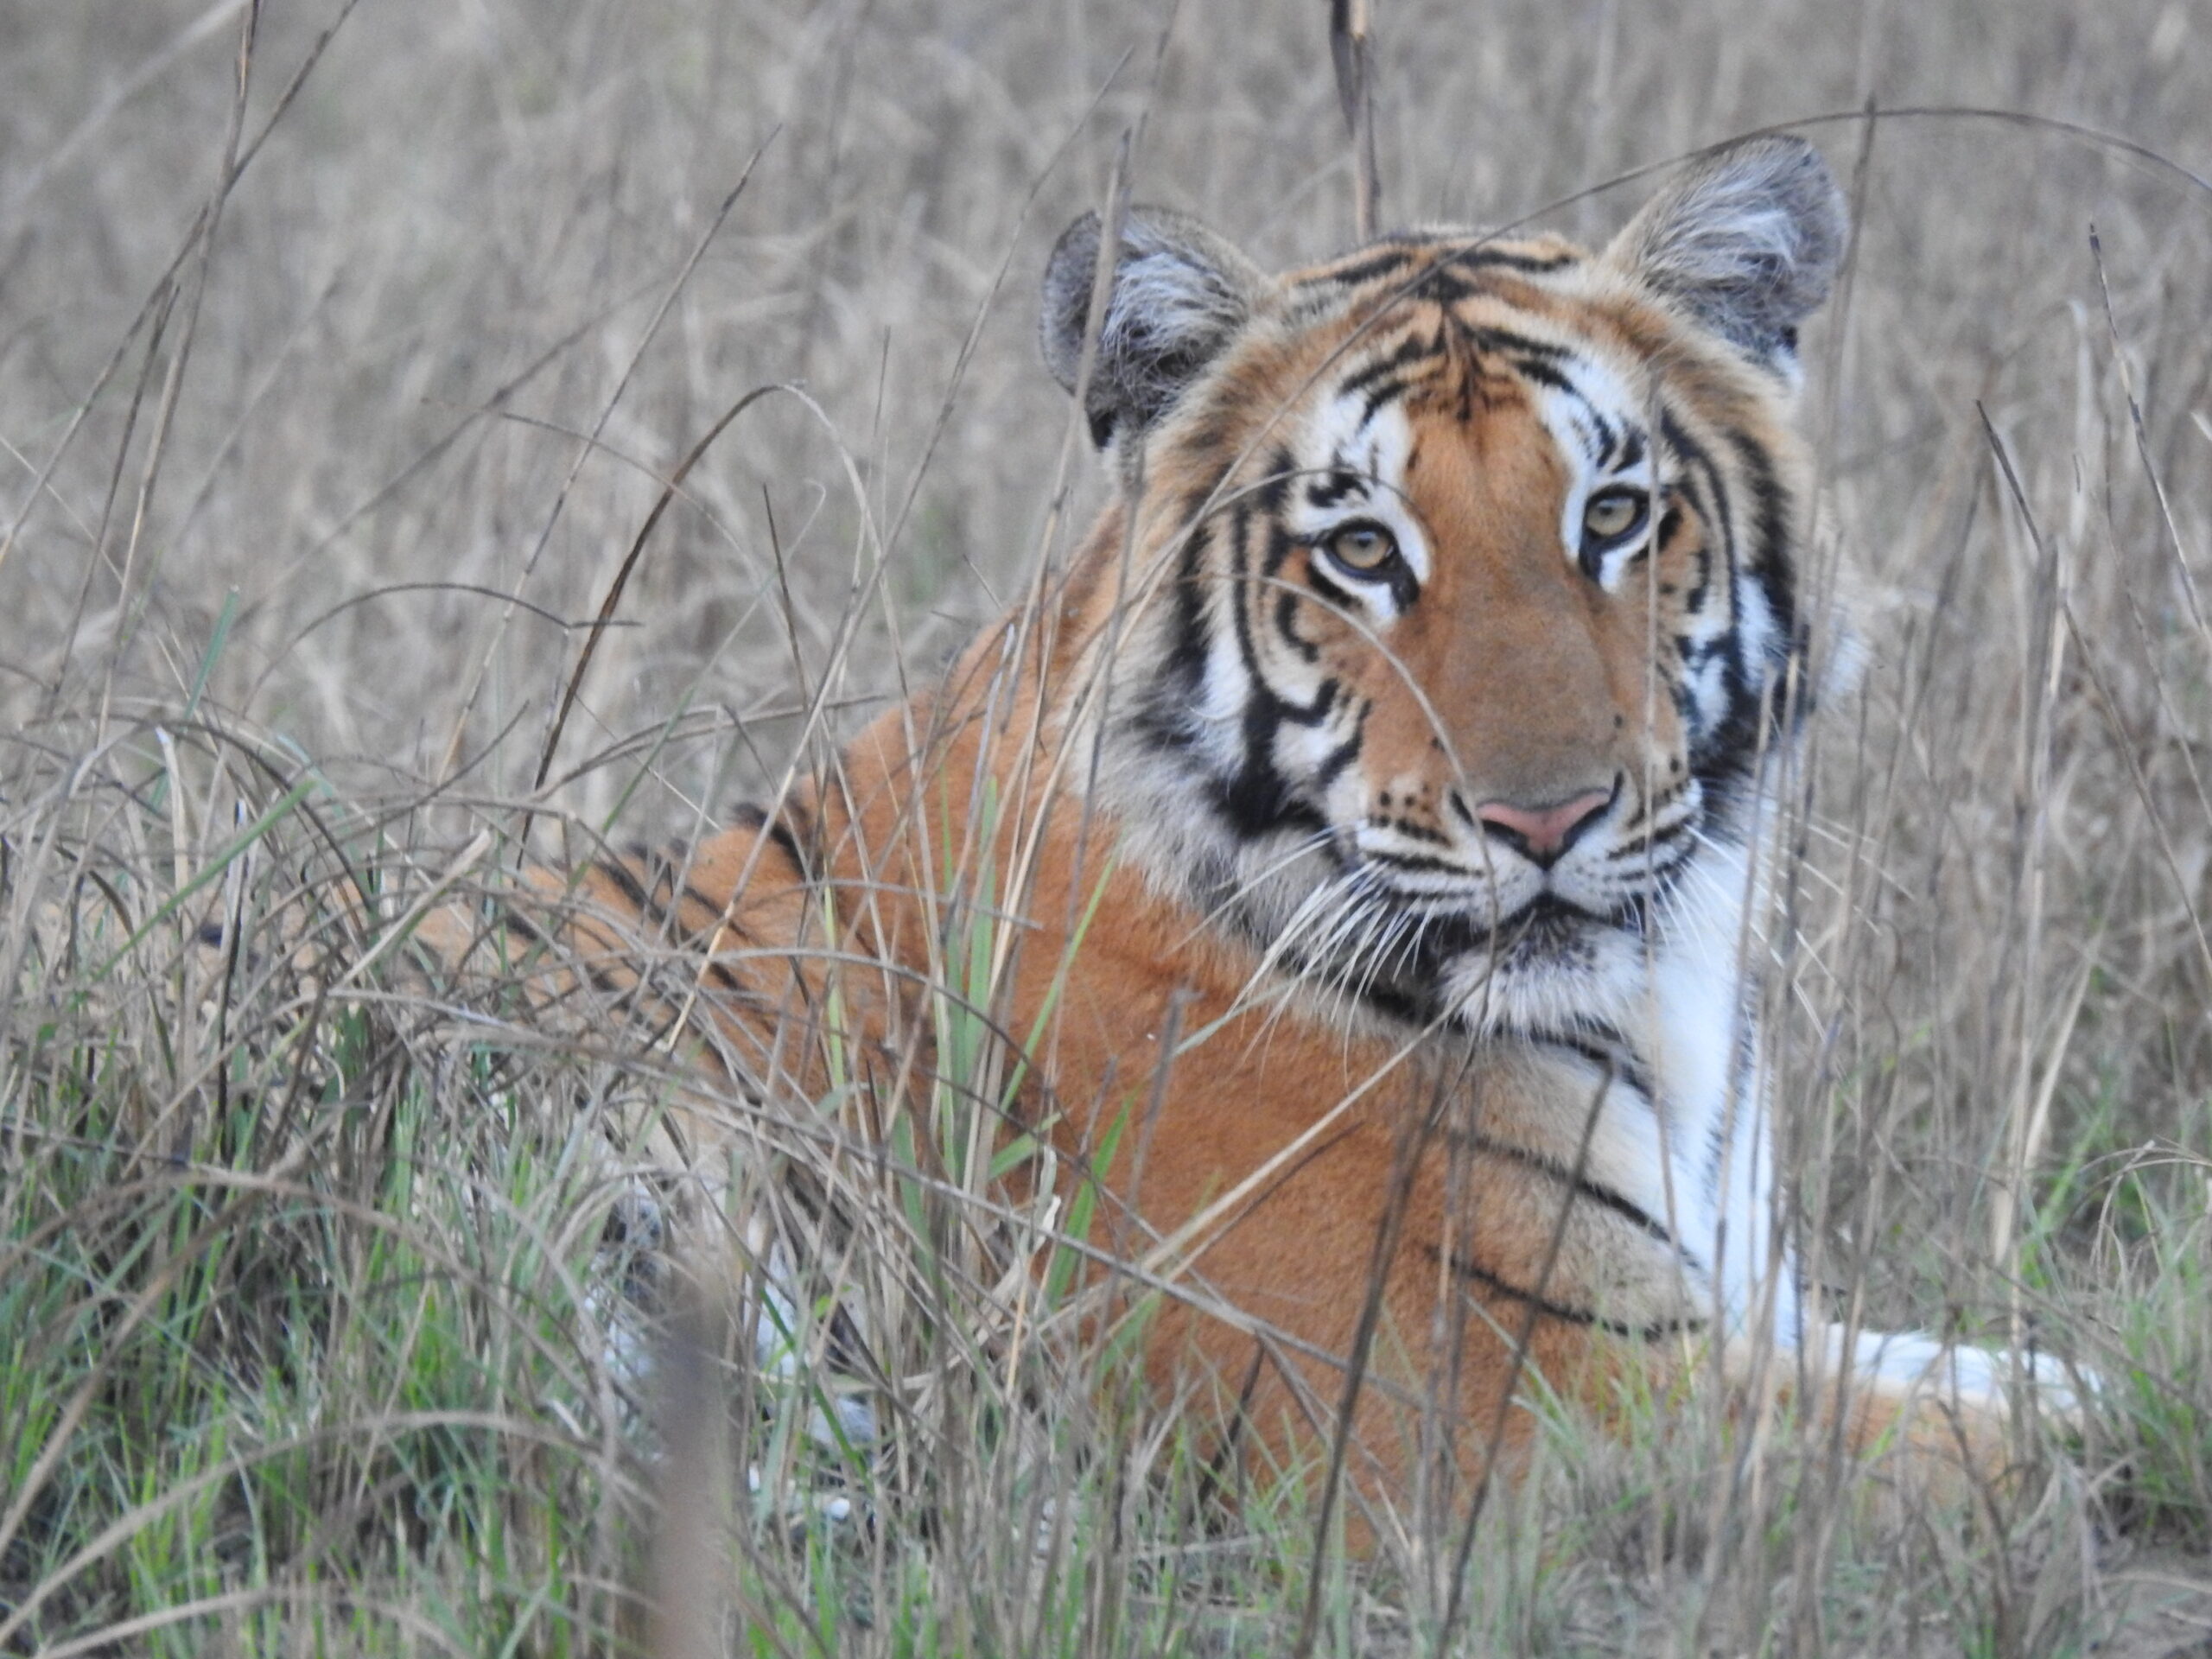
(570, 956)
(1463, 1269)
(1258, 800)
(1286, 627)
(1328, 587)
(1340, 757)
(1512, 260)
(1603, 1043)
(522, 922)
(1771, 521)
(1186, 646)
(1412, 349)
(1271, 493)
(1507, 342)
(727, 981)
(787, 843)
(1281, 545)
(1605, 1197)
(1334, 483)
(1770, 564)
(1606, 1052)
(1455, 277)
(625, 881)
(1306, 713)
(720, 909)
(1382, 262)
(1449, 279)
(1720, 520)
(1416, 863)
(1382, 392)
(1395, 1004)
(1608, 440)
(653, 909)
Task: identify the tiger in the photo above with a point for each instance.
(1376, 804)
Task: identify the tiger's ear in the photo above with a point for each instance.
(1180, 293)
(1747, 241)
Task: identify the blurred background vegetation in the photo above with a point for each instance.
(344, 351)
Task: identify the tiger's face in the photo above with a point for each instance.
(1471, 593)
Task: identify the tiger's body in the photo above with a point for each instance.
(1374, 808)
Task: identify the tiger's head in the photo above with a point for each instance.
(1462, 601)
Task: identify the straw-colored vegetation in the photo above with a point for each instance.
(344, 350)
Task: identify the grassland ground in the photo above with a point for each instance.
(345, 349)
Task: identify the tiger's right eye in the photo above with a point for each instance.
(1361, 549)
(1614, 515)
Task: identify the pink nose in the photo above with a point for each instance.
(1542, 833)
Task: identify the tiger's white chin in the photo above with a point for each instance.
(1565, 975)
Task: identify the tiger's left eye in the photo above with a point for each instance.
(1363, 549)
(1613, 514)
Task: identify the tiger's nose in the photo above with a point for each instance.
(1542, 834)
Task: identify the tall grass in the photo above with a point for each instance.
(345, 351)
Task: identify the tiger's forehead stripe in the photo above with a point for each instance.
(1409, 254)
(1414, 313)
(1493, 339)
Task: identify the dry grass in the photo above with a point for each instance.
(304, 1286)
